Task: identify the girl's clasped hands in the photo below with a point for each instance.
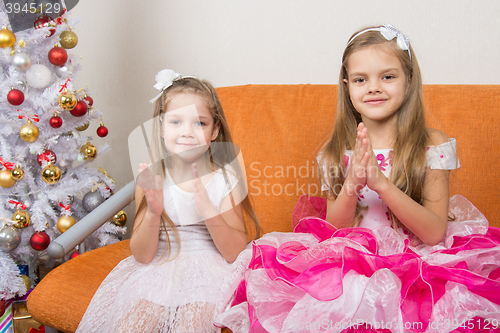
(364, 169)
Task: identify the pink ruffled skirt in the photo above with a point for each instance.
(320, 279)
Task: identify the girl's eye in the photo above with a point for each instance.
(200, 123)
(359, 80)
(175, 122)
(388, 77)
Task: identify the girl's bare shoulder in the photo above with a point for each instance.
(436, 137)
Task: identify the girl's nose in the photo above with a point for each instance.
(187, 130)
(374, 87)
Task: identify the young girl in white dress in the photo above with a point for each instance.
(188, 230)
(386, 250)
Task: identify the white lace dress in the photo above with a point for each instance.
(181, 294)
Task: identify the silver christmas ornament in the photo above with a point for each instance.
(38, 76)
(54, 204)
(10, 238)
(21, 61)
(65, 71)
(92, 200)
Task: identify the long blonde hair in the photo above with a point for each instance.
(218, 155)
(412, 138)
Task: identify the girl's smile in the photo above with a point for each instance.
(375, 101)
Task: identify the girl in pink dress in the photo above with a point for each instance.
(387, 250)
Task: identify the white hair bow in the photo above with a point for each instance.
(389, 32)
(164, 79)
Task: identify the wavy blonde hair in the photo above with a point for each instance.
(218, 155)
(412, 137)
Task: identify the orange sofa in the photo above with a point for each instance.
(279, 129)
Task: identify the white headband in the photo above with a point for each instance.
(389, 32)
(164, 79)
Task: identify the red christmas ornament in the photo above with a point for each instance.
(15, 97)
(102, 131)
(89, 100)
(74, 254)
(41, 329)
(58, 56)
(80, 109)
(55, 121)
(41, 20)
(48, 155)
(2, 307)
(40, 240)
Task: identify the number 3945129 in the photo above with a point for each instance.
(33, 8)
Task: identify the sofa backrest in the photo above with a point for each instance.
(280, 129)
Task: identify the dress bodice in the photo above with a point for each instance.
(180, 207)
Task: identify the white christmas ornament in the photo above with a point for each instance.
(21, 61)
(38, 76)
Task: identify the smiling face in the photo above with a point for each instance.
(376, 83)
(188, 127)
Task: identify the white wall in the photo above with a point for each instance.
(234, 42)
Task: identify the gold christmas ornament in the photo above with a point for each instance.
(26, 280)
(119, 219)
(21, 218)
(83, 127)
(89, 151)
(17, 173)
(7, 38)
(51, 174)
(29, 132)
(6, 179)
(65, 222)
(68, 39)
(67, 100)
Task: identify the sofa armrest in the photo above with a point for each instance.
(90, 223)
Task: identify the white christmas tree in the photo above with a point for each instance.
(46, 184)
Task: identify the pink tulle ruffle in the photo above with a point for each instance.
(361, 278)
